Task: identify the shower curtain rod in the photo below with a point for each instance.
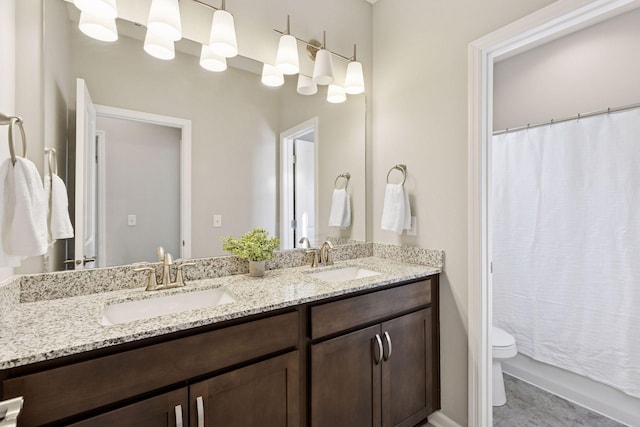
(566, 119)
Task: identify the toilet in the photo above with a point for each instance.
(503, 347)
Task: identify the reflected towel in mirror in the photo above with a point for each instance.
(340, 215)
(396, 213)
(58, 218)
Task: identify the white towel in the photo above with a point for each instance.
(58, 219)
(396, 213)
(6, 260)
(24, 205)
(340, 215)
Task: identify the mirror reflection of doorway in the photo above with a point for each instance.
(298, 195)
(138, 190)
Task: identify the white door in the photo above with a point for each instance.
(85, 216)
(304, 190)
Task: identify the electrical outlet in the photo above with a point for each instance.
(217, 221)
(413, 231)
(132, 220)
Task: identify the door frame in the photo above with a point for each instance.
(287, 175)
(185, 161)
(551, 22)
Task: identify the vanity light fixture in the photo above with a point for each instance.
(271, 76)
(223, 33)
(164, 19)
(323, 67)
(98, 27)
(287, 55)
(336, 94)
(159, 46)
(306, 85)
(102, 8)
(354, 81)
(209, 60)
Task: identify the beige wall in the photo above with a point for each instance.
(7, 81)
(420, 119)
(590, 70)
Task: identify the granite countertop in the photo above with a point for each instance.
(44, 330)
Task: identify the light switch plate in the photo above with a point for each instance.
(413, 231)
(132, 220)
(217, 221)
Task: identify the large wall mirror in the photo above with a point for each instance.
(234, 168)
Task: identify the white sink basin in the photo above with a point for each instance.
(129, 311)
(344, 274)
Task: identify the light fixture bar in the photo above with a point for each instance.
(209, 6)
(309, 43)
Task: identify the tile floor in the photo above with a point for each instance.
(530, 406)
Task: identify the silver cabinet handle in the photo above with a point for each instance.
(200, 408)
(388, 339)
(178, 410)
(377, 357)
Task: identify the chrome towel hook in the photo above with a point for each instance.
(401, 168)
(11, 121)
(346, 176)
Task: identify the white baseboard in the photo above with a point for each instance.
(439, 419)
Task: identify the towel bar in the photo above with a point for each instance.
(401, 168)
(11, 121)
(346, 176)
(52, 160)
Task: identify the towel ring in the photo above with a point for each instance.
(53, 163)
(12, 121)
(346, 176)
(401, 168)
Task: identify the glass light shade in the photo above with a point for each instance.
(209, 60)
(354, 82)
(223, 34)
(158, 46)
(323, 68)
(271, 76)
(287, 56)
(103, 8)
(336, 94)
(164, 19)
(98, 27)
(306, 86)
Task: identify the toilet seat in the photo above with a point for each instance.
(503, 344)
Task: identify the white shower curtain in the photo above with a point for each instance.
(566, 245)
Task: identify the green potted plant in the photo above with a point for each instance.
(255, 246)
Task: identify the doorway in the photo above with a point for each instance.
(549, 23)
(298, 148)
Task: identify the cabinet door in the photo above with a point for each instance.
(265, 394)
(345, 380)
(159, 411)
(407, 374)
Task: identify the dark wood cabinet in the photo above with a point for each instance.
(384, 375)
(264, 394)
(345, 383)
(166, 410)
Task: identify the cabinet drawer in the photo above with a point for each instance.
(333, 317)
(61, 392)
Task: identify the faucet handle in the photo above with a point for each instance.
(160, 253)
(167, 259)
(152, 281)
(179, 274)
(314, 256)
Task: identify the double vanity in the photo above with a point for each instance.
(351, 344)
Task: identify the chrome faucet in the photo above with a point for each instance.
(304, 240)
(325, 253)
(165, 281)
